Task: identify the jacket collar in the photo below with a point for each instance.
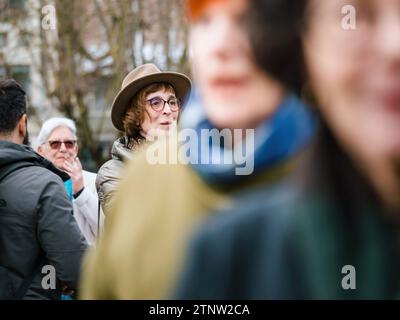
(120, 151)
(14, 156)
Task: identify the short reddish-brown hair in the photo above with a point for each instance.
(134, 116)
(195, 8)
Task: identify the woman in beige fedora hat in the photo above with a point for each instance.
(149, 103)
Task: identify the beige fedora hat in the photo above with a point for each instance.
(140, 78)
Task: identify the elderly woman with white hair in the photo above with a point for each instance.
(57, 142)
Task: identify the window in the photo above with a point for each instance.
(2, 72)
(21, 74)
(3, 40)
(16, 4)
(10, 9)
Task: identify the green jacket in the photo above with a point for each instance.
(321, 234)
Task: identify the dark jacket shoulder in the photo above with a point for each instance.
(36, 223)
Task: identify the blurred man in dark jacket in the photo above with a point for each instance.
(37, 228)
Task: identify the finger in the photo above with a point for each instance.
(78, 163)
(67, 163)
(64, 168)
(67, 170)
(68, 166)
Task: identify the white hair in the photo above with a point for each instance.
(51, 124)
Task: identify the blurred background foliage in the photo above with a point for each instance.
(77, 68)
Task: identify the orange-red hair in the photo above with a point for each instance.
(195, 8)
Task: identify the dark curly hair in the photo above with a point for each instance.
(134, 116)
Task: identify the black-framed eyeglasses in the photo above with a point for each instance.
(158, 104)
(56, 144)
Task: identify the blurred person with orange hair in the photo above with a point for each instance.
(332, 230)
(140, 255)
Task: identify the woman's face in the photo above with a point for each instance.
(59, 147)
(355, 74)
(236, 93)
(160, 117)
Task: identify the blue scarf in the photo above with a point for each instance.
(288, 131)
(68, 188)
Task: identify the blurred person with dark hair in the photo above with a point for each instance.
(158, 205)
(57, 141)
(36, 223)
(149, 103)
(335, 234)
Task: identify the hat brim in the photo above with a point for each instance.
(178, 81)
